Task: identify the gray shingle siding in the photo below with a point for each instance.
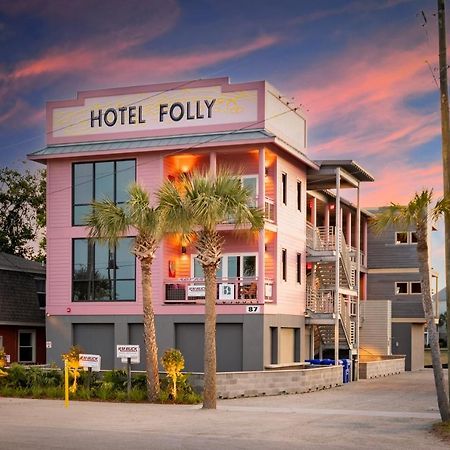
(18, 298)
(383, 252)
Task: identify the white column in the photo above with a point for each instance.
(348, 228)
(336, 280)
(261, 239)
(358, 279)
(314, 212)
(213, 163)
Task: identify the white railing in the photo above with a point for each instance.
(320, 300)
(320, 238)
(229, 291)
(269, 209)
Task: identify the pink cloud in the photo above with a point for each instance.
(363, 94)
(95, 61)
(399, 182)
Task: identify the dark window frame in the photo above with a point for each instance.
(299, 268)
(113, 278)
(284, 264)
(41, 294)
(299, 195)
(93, 163)
(284, 188)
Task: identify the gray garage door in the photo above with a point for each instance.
(189, 338)
(96, 338)
(137, 338)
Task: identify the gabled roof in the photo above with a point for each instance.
(18, 264)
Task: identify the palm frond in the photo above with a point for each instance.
(107, 222)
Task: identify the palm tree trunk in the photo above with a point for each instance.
(209, 391)
(424, 266)
(151, 349)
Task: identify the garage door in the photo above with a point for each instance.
(96, 338)
(189, 338)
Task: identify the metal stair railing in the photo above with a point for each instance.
(346, 262)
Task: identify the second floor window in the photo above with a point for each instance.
(99, 181)
(284, 188)
(103, 273)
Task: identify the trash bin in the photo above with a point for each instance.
(347, 367)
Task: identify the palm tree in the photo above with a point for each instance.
(108, 222)
(195, 207)
(420, 213)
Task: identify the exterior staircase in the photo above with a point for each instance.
(321, 289)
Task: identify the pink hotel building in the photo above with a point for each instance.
(290, 293)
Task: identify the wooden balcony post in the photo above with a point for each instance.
(262, 235)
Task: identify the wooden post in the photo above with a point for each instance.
(445, 129)
(128, 377)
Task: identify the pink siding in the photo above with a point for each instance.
(291, 236)
(152, 169)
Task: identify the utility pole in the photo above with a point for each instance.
(445, 151)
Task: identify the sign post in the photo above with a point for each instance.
(129, 354)
(66, 384)
(90, 362)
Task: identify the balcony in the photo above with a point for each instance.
(229, 291)
(269, 209)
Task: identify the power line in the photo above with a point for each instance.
(251, 125)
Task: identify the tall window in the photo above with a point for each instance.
(284, 188)
(299, 195)
(299, 268)
(250, 182)
(98, 181)
(103, 273)
(284, 264)
(40, 290)
(27, 346)
(405, 237)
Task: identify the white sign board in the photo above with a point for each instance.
(153, 111)
(196, 290)
(226, 291)
(253, 309)
(92, 361)
(129, 351)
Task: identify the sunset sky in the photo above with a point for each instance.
(365, 72)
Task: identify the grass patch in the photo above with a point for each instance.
(442, 431)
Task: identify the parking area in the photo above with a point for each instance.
(389, 413)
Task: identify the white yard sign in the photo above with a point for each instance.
(129, 351)
(92, 361)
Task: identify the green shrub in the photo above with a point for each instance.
(185, 392)
(116, 378)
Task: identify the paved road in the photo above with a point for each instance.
(390, 413)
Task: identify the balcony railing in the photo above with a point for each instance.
(229, 291)
(269, 209)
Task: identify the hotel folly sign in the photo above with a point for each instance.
(144, 112)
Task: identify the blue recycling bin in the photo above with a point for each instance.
(347, 369)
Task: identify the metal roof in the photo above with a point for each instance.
(189, 141)
(352, 167)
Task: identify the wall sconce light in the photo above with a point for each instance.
(183, 249)
(332, 206)
(266, 171)
(68, 310)
(265, 247)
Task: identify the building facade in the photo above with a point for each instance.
(22, 309)
(394, 275)
(275, 292)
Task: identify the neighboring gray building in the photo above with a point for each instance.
(393, 274)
